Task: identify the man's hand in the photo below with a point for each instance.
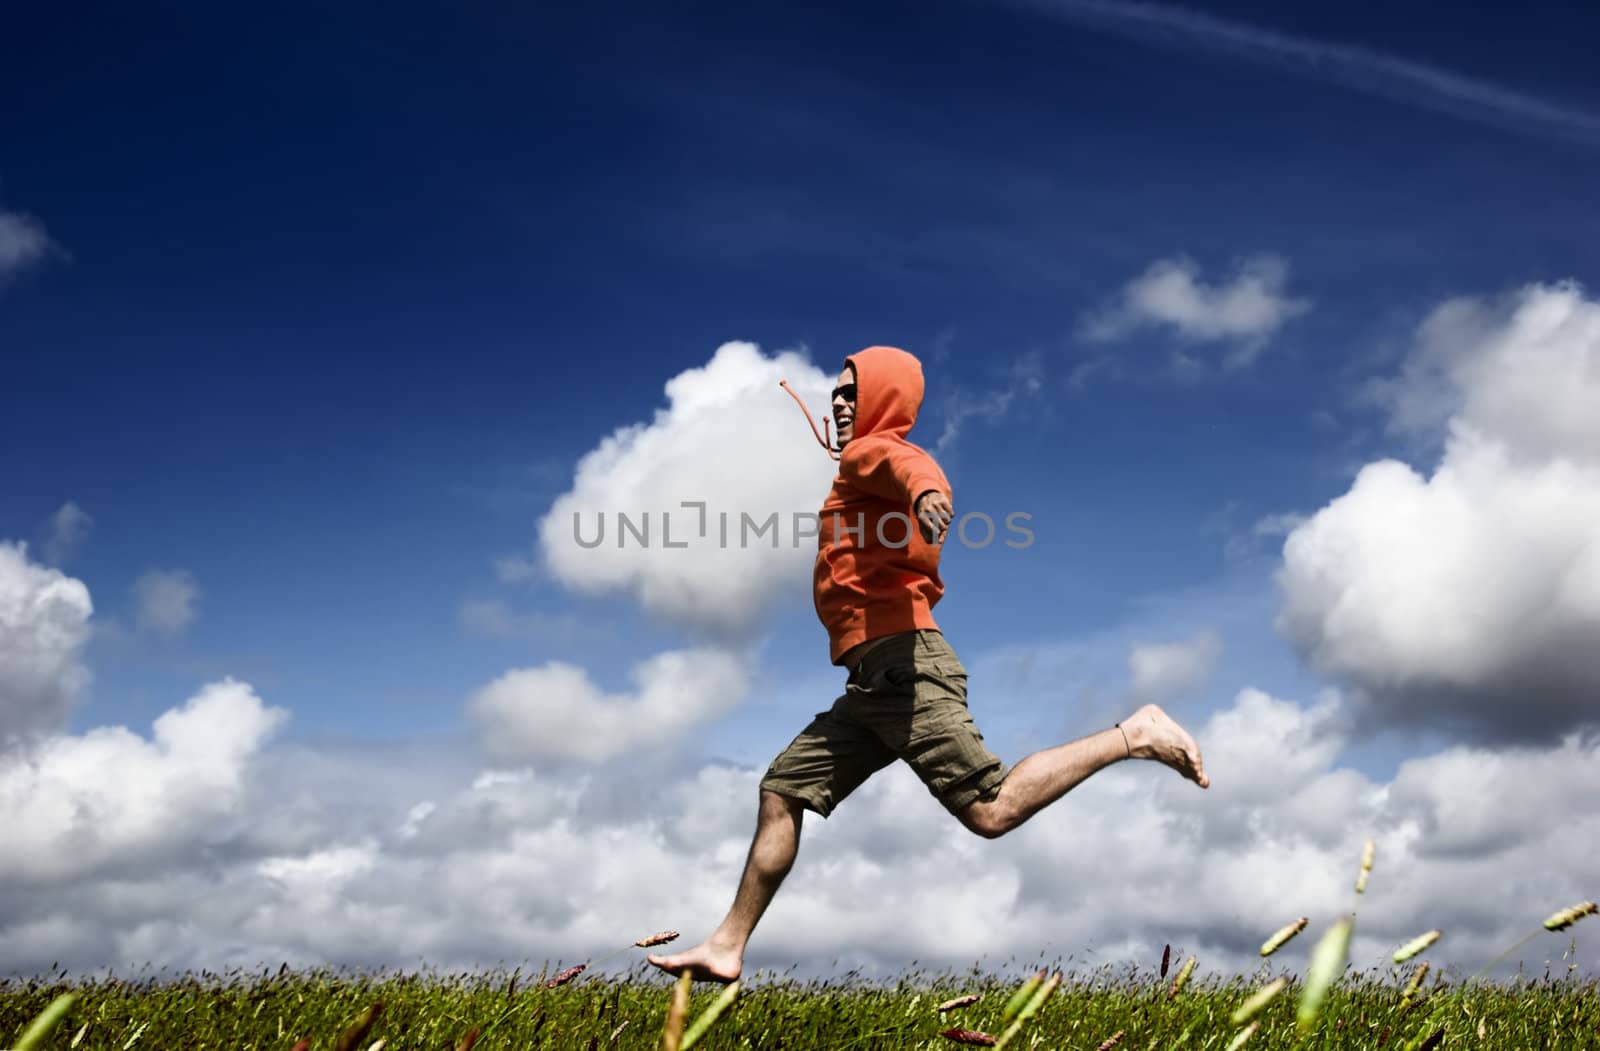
(933, 513)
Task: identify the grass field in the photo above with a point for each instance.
(1407, 1006)
(629, 1010)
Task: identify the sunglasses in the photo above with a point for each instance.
(847, 392)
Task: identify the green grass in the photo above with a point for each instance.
(265, 1010)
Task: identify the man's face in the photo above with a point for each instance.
(844, 406)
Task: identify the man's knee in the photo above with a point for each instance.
(775, 806)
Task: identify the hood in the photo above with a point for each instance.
(888, 391)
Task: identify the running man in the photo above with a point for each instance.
(875, 583)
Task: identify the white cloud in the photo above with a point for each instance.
(23, 242)
(496, 619)
(1245, 311)
(69, 528)
(1024, 380)
(166, 601)
(44, 622)
(729, 437)
(1523, 370)
(383, 863)
(1469, 598)
(555, 711)
(1161, 671)
(515, 569)
(110, 801)
(1247, 544)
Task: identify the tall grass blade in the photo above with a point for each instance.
(1327, 963)
(34, 1036)
(1262, 997)
(1024, 992)
(672, 1029)
(729, 994)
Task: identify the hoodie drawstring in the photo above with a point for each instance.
(821, 440)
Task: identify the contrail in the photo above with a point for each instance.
(1358, 68)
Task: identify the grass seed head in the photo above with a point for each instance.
(1183, 976)
(566, 976)
(1112, 1041)
(1416, 945)
(969, 1036)
(1415, 983)
(1260, 999)
(1426, 1042)
(1040, 995)
(1567, 917)
(1367, 855)
(658, 938)
(1277, 941)
(1166, 958)
(1021, 997)
(960, 1001)
(1244, 1034)
(1327, 963)
(350, 1038)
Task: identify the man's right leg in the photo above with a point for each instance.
(721, 957)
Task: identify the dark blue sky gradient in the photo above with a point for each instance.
(346, 289)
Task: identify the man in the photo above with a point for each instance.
(875, 583)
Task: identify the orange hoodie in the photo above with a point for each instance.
(875, 574)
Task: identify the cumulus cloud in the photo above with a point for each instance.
(23, 243)
(1246, 311)
(69, 528)
(110, 801)
(44, 622)
(366, 859)
(1468, 598)
(1523, 370)
(729, 438)
(1161, 671)
(556, 711)
(166, 601)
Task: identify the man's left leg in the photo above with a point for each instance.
(943, 745)
(827, 761)
(720, 957)
(1044, 777)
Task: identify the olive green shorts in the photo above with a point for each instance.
(907, 699)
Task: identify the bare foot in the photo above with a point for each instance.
(705, 962)
(1153, 735)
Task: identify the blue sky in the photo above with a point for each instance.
(320, 307)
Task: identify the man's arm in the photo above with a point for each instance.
(897, 471)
